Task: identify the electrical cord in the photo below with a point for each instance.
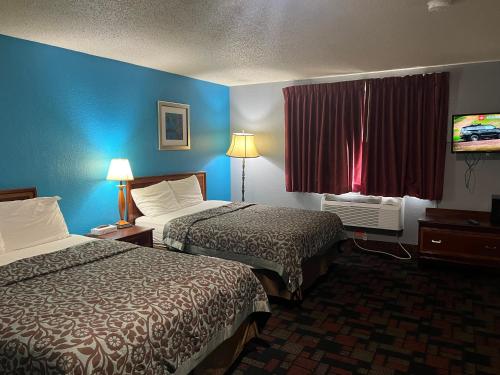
(408, 257)
(469, 172)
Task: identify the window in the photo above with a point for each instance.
(382, 136)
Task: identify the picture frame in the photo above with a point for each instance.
(174, 131)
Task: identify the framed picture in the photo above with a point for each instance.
(173, 126)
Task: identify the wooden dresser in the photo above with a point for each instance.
(447, 235)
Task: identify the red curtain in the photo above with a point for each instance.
(379, 136)
(405, 145)
(323, 137)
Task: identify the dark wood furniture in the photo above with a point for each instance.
(447, 235)
(133, 211)
(141, 236)
(17, 194)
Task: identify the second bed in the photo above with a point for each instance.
(287, 248)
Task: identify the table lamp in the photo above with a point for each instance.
(119, 170)
(242, 146)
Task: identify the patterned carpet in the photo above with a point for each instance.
(375, 315)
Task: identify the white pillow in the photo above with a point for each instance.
(187, 191)
(155, 200)
(31, 222)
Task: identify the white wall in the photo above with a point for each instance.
(260, 109)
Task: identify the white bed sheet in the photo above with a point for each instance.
(45, 248)
(158, 222)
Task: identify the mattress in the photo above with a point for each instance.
(45, 248)
(158, 222)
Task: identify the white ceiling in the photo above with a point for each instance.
(237, 42)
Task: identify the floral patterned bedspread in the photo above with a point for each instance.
(108, 307)
(274, 238)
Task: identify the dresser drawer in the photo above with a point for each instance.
(459, 243)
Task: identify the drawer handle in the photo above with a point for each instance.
(436, 241)
(490, 247)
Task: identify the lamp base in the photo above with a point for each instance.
(123, 224)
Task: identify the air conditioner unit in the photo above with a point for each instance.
(384, 215)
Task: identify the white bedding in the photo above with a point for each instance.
(158, 222)
(45, 248)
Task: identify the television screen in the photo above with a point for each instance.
(476, 133)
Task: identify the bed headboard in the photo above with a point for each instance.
(139, 182)
(17, 194)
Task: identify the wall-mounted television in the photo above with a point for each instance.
(479, 132)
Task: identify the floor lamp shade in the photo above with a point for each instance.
(119, 170)
(242, 146)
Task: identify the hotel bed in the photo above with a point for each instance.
(287, 248)
(77, 305)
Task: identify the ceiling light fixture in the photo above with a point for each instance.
(437, 5)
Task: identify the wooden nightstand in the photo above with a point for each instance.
(137, 235)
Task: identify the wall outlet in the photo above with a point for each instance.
(360, 235)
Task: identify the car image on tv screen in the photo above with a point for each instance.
(476, 133)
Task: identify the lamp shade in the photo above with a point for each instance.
(242, 146)
(119, 170)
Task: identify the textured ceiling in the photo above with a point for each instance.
(236, 42)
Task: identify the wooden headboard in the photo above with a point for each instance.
(17, 194)
(139, 182)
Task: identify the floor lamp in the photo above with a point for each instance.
(119, 170)
(242, 146)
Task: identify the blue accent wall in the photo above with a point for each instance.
(65, 114)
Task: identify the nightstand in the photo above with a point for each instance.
(141, 236)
